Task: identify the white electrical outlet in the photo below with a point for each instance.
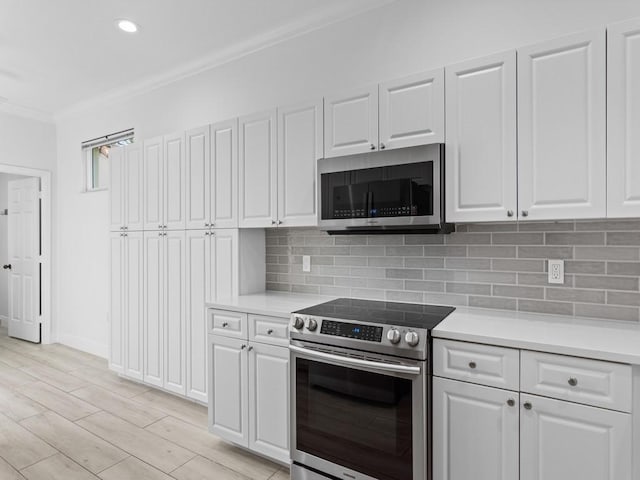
(556, 271)
(306, 263)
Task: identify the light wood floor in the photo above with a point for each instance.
(65, 416)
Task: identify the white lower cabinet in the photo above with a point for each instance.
(249, 384)
(475, 431)
(487, 433)
(566, 441)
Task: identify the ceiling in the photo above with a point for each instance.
(57, 55)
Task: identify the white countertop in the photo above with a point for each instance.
(611, 340)
(277, 304)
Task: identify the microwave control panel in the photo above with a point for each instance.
(369, 333)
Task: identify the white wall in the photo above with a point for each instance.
(404, 37)
(23, 143)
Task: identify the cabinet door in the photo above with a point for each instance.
(258, 194)
(197, 164)
(116, 302)
(134, 181)
(196, 338)
(412, 110)
(134, 295)
(299, 148)
(562, 128)
(153, 184)
(174, 310)
(566, 441)
(153, 309)
(623, 122)
(481, 148)
(269, 401)
(222, 264)
(175, 211)
(117, 189)
(223, 175)
(475, 432)
(351, 122)
(228, 398)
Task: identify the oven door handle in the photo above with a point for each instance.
(355, 362)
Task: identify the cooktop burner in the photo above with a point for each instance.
(411, 315)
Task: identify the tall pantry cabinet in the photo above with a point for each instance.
(163, 273)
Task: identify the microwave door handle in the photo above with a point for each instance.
(355, 362)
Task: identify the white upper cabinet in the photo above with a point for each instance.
(481, 148)
(351, 122)
(562, 128)
(299, 148)
(623, 123)
(223, 175)
(258, 194)
(566, 441)
(175, 211)
(134, 181)
(197, 165)
(117, 189)
(153, 184)
(412, 110)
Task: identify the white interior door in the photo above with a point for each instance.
(24, 258)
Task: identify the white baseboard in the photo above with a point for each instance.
(84, 345)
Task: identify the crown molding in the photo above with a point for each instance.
(26, 112)
(300, 27)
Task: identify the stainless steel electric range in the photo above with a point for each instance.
(360, 390)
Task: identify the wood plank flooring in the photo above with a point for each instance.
(65, 416)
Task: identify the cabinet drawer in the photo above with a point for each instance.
(271, 330)
(580, 380)
(472, 362)
(229, 324)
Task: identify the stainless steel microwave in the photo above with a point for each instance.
(391, 191)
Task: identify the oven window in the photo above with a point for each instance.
(360, 420)
(393, 191)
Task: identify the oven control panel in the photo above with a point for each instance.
(369, 333)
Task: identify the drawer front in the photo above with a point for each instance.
(592, 382)
(473, 362)
(229, 324)
(271, 330)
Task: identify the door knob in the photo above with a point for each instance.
(7, 267)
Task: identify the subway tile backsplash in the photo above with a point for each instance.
(500, 265)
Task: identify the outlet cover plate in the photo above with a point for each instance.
(306, 263)
(556, 272)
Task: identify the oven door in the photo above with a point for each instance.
(357, 416)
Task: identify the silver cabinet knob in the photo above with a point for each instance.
(511, 402)
(206, 234)
(298, 323)
(472, 365)
(159, 234)
(273, 222)
(279, 222)
(509, 213)
(243, 347)
(372, 147)
(206, 224)
(160, 227)
(249, 349)
(382, 146)
(412, 339)
(225, 324)
(270, 331)
(525, 213)
(393, 335)
(573, 381)
(527, 406)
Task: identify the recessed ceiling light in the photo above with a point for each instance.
(127, 25)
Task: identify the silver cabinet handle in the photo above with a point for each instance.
(472, 365)
(527, 406)
(525, 213)
(354, 362)
(382, 146)
(511, 402)
(509, 213)
(573, 381)
(372, 147)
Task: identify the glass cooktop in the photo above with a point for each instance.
(412, 315)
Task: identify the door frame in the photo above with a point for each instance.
(45, 233)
